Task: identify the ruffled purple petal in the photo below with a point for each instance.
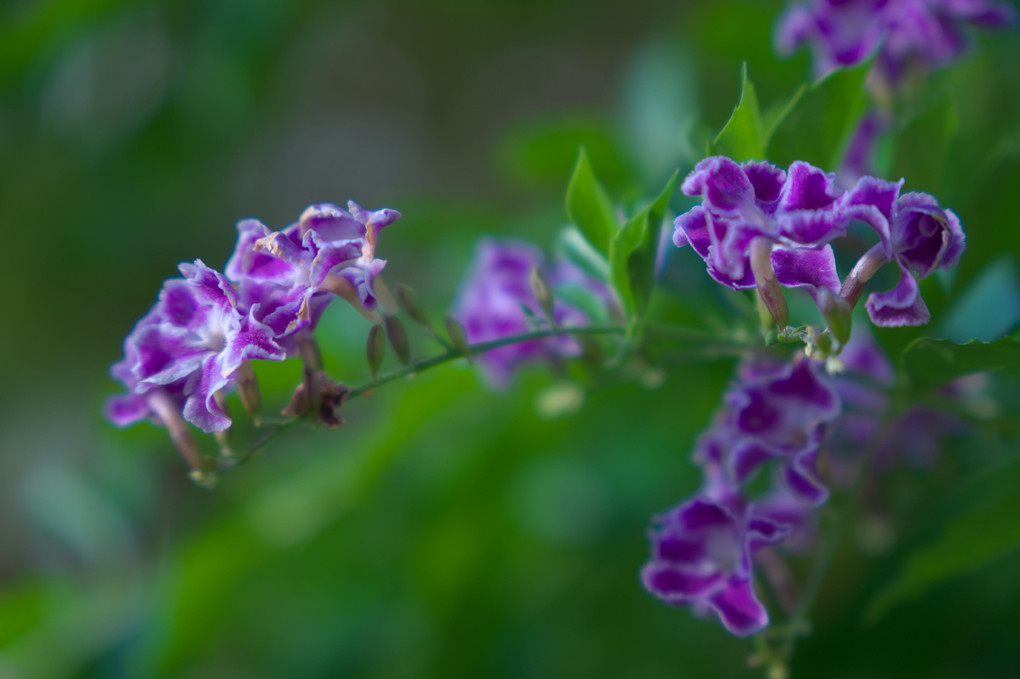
(377, 219)
(722, 184)
(676, 586)
(200, 408)
(123, 410)
(924, 236)
(739, 609)
(802, 480)
(901, 306)
(804, 268)
(808, 188)
(331, 222)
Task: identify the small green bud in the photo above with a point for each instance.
(398, 338)
(540, 288)
(458, 338)
(838, 316)
(375, 349)
(408, 302)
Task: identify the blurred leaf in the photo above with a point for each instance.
(921, 145)
(589, 206)
(990, 306)
(632, 255)
(743, 136)
(969, 543)
(585, 300)
(819, 124)
(572, 245)
(929, 362)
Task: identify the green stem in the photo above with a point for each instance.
(481, 348)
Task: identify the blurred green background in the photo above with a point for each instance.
(444, 531)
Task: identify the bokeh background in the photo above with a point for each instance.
(445, 530)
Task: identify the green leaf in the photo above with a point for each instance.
(990, 306)
(743, 136)
(929, 362)
(970, 542)
(585, 300)
(921, 145)
(589, 206)
(572, 244)
(818, 124)
(633, 250)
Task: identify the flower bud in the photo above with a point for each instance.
(408, 301)
(376, 349)
(398, 338)
(838, 316)
(458, 338)
(540, 288)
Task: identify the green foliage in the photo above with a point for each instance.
(921, 145)
(968, 543)
(929, 362)
(989, 307)
(633, 252)
(589, 206)
(744, 135)
(818, 124)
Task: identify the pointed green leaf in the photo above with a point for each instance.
(929, 362)
(632, 255)
(819, 124)
(743, 136)
(589, 206)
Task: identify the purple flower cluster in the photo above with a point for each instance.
(906, 32)
(759, 226)
(496, 293)
(194, 344)
(703, 549)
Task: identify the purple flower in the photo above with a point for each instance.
(859, 158)
(493, 296)
(845, 32)
(915, 232)
(774, 412)
(702, 554)
(294, 273)
(187, 348)
(757, 222)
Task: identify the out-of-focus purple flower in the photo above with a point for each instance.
(294, 273)
(845, 32)
(495, 292)
(702, 553)
(915, 232)
(187, 348)
(859, 158)
(774, 412)
(794, 214)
